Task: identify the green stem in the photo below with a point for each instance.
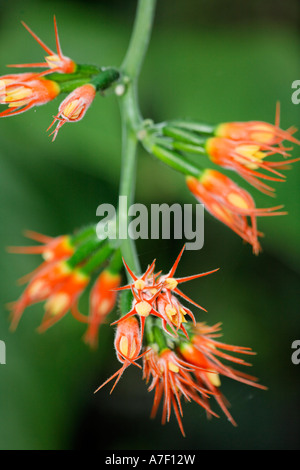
(127, 189)
(140, 38)
(194, 126)
(83, 252)
(176, 161)
(131, 117)
(97, 259)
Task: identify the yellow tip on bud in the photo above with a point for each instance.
(238, 201)
(143, 308)
(57, 303)
(103, 307)
(214, 379)
(139, 284)
(48, 255)
(72, 110)
(124, 347)
(52, 60)
(263, 133)
(173, 367)
(39, 287)
(250, 152)
(171, 283)
(17, 96)
(170, 311)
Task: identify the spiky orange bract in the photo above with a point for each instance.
(102, 301)
(171, 378)
(205, 352)
(155, 294)
(181, 359)
(55, 61)
(230, 204)
(244, 147)
(74, 106)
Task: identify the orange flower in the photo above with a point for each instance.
(13, 78)
(55, 61)
(74, 106)
(257, 131)
(40, 288)
(62, 277)
(246, 157)
(128, 342)
(24, 91)
(154, 295)
(63, 298)
(205, 352)
(230, 204)
(102, 301)
(172, 379)
(52, 249)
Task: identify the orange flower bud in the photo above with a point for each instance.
(128, 340)
(26, 91)
(246, 157)
(40, 288)
(63, 298)
(230, 204)
(74, 106)
(102, 301)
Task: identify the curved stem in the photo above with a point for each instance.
(132, 119)
(140, 38)
(127, 189)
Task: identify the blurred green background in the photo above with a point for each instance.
(213, 61)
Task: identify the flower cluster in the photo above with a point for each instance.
(231, 204)
(181, 357)
(21, 92)
(70, 264)
(241, 147)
